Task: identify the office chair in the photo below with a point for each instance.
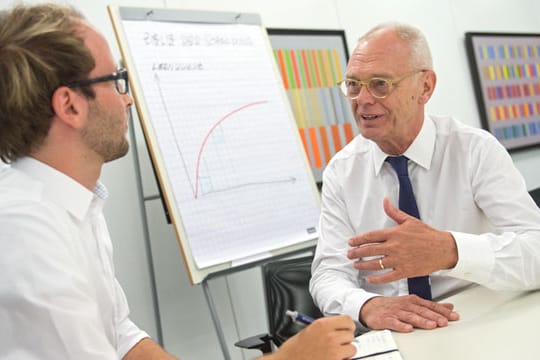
(286, 287)
(535, 194)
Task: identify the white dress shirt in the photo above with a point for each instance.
(464, 181)
(59, 298)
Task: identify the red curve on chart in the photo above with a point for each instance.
(210, 133)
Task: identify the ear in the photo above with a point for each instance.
(69, 106)
(429, 80)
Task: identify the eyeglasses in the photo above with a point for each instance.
(120, 79)
(377, 87)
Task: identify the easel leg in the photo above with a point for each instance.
(215, 319)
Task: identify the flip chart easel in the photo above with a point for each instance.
(221, 137)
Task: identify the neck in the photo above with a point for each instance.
(394, 148)
(80, 168)
(399, 144)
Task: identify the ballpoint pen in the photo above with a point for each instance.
(300, 318)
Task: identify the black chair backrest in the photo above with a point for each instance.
(535, 194)
(286, 285)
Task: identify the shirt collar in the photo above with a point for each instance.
(420, 151)
(60, 188)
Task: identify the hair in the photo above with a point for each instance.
(40, 50)
(420, 56)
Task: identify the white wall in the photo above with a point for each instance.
(185, 322)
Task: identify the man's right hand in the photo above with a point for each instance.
(327, 338)
(404, 313)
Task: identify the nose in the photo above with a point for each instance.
(128, 99)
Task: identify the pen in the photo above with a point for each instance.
(300, 318)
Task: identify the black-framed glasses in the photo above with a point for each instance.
(120, 79)
(377, 87)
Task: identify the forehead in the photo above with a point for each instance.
(381, 54)
(99, 48)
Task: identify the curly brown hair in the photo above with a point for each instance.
(40, 50)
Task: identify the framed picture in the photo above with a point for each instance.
(311, 63)
(505, 70)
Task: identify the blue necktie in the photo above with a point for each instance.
(407, 203)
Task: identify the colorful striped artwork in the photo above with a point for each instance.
(322, 113)
(508, 68)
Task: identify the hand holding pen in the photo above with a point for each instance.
(328, 338)
(300, 318)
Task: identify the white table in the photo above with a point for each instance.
(493, 325)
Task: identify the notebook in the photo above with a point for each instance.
(376, 345)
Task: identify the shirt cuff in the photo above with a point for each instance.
(475, 258)
(354, 303)
(130, 335)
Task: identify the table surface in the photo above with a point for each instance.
(493, 325)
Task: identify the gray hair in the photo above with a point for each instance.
(420, 53)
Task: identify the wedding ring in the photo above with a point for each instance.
(381, 264)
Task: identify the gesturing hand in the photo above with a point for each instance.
(405, 313)
(410, 249)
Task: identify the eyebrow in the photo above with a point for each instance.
(382, 76)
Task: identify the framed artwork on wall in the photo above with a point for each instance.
(505, 69)
(311, 62)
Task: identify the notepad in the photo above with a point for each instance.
(376, 345)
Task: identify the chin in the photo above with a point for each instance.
(371, 134)
(120, 152)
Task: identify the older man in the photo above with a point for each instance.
(464, 213)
